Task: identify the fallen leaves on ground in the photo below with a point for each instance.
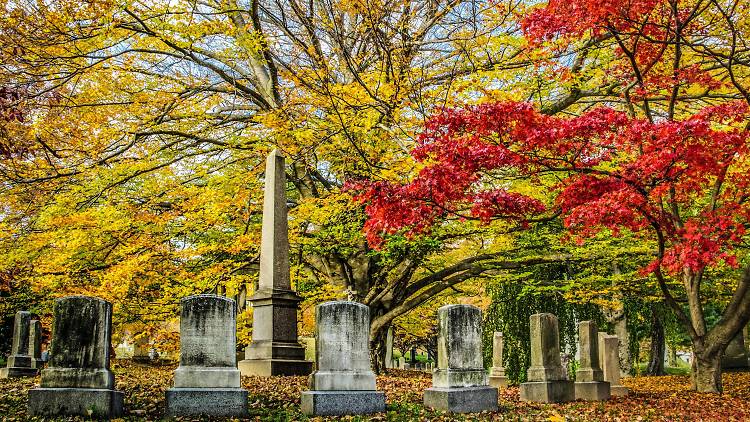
(277, 399)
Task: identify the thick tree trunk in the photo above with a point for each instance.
(706, 374)
(656, 358)
(378, 342)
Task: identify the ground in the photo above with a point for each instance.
(277, 399)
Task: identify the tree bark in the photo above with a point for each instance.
(706, 373)
(378, 341)
(656, 358)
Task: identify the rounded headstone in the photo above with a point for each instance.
(81, 333)
(342, 336)
(460, 338)
(208, 331)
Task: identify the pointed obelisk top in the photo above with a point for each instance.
(274, 242)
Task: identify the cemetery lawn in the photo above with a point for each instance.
(277, 399)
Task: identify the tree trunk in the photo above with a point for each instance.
(706, 373)
(378, 342)
(656, 359)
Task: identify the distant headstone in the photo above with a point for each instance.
(735, 355)
(546, 379)
(141, 349)
(22, 362)
(609, 358)
(78, 380)
(343, 383)
(207, 382)
(497, 373)
(402, 363)
(459, 384)
(35, 344)
(274, 349)
(590, 384)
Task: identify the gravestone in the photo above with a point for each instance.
(35, 344)
(141, 348)
(274, 348)
(343, 382)
(590, 384)
(77, 380)
(609, 358)
(546, 377)
(22, 361)
(207, 382)
(402, 363)
(497, 373)
(735, 355)
(459, 384)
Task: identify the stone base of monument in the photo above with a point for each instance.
(548, 391)
(86, 402)
(340, 403)
(18, 372)
(207, 402)
(618, 390)
(498, 382)
(271, 367)
(592, 390)
(461, 400)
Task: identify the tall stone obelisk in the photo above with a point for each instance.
(274, 349)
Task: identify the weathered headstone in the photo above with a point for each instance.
(78, 380)
(22, 362)
(207, 382)
(497, 372)
(546, 380)
(460, 382)
(343, 382)
(141, 348)
(735, 355)
(402, 363)
(590, 384)
(35, 344)
(274, 349)
(609, 358)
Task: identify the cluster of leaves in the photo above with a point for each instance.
(655, 162)
(277, 398)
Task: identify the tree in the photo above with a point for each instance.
(142, 180)
(670, 165)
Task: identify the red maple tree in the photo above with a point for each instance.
(665, 165)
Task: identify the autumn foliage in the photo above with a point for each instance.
(615, 172)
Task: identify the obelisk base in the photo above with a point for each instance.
(618, 390)
(271, 367)
(86, 402)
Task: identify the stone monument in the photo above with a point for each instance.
(609, 358)
(459, 384)
(389, 348)
(35, 344)
(274, 349)
(77, 380)
(207, 382)
(497, 372)
(546, 378)
(25, 352)
(735, 355)
(343, 382)
(590, 384)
